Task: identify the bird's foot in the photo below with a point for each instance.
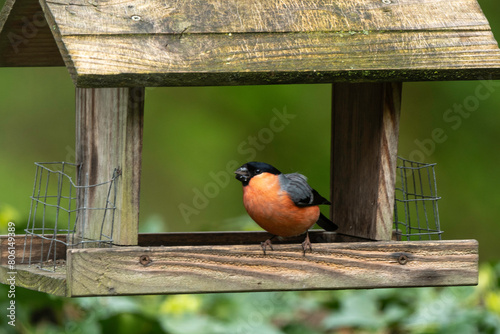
(266, 244)
(306, 244)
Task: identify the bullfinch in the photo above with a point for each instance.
(282, 204)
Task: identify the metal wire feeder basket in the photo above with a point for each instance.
(59, 206)
(416, 214)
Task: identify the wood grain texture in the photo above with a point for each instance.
(109, 127)
(25, 37)
(200, 269)
(388, 160)
(240, 267)
(163, 43)
(233, 16)
(33, 248)
(32, 278)
(365, 130)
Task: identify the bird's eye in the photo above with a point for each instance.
(258, 171)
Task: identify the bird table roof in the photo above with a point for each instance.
(230, 42)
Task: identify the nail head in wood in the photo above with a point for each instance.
(145, 260)
(403, 259)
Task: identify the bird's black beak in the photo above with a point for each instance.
(242, 174)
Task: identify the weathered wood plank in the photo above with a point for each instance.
(30, 277)
(157, 43)
(233, 16)
(365, 130)
(33, 248)
(25, 38)
(279, 59)
(243, 268)
(101, 151)
(155, 270)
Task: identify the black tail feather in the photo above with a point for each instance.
(326, 223)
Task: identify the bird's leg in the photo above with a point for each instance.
(306, 244)
(267, 243)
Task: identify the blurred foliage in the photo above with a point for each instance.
(191, 134)
(453, 310)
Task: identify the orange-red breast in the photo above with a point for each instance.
(282, 204)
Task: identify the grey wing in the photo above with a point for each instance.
(299, 190)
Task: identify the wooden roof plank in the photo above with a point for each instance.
(224, 59)
(83, 17)
(211, 42)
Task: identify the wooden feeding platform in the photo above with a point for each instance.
(365, 49)
(233, 261)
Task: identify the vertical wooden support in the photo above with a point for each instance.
(109, 126)
(365, 129)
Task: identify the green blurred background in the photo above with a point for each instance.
(190, 133)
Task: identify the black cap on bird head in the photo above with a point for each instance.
(250, 169)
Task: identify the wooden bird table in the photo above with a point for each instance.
(365, 48)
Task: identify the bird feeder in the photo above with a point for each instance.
(365, 48)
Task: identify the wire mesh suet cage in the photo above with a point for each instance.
(59, 206)
(416, 215)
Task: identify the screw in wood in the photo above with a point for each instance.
(144, 260)
(403, 259)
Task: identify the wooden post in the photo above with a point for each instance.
(365, 129)
(109, 126)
